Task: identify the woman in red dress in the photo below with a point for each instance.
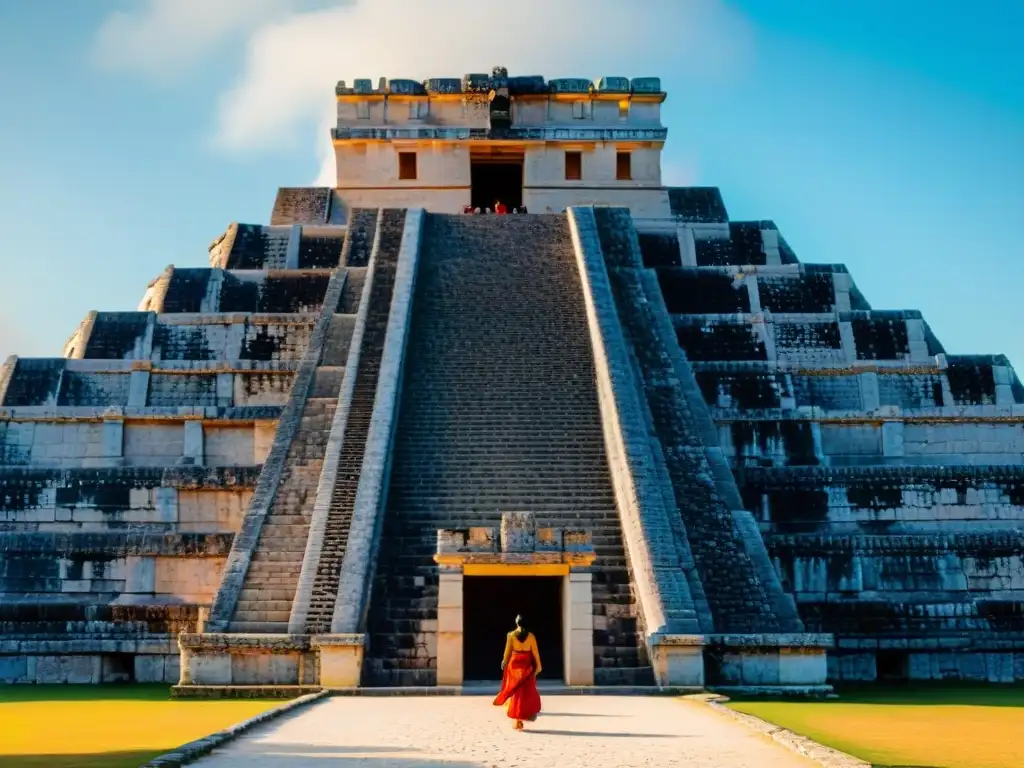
(521, 666)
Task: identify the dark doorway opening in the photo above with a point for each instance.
(893, 666)
(489, 608)
(496, 180)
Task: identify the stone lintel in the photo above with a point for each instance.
(518, 542)
(466, 560)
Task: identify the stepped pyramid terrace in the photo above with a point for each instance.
(353, 447)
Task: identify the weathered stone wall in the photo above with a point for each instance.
(301, 205)
(127, 467)
(651, 202)
(885, 473)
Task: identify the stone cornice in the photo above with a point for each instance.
(185, 478)
(875, 475)
(539, 134)
(116, 544)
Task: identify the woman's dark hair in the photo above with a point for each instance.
(521, 626)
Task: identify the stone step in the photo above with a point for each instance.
(259, 627)
(499, 411)
(357, 425)
(277, 561)
(267, 611)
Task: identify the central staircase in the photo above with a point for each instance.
(498, 412)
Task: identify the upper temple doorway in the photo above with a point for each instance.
(496, 173)
(490, 606)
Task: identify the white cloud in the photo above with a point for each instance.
(163, 38)
(298, 49)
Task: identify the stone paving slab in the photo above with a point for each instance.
(469, 732)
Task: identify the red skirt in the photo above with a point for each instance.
(519, 688)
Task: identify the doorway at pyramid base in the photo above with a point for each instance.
(486, 577)
(479, 597)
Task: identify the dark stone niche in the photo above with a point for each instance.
(881, 338)
(796, 437)
(319, 252)
(971, 381)
(747, 242)
(34, 382)
(811, 292)
(85, 389)
(260, 344)
(238, 295)
(748, 390)
(698, 204)
(804, 336)
(918, 390)
(186, 290)
(114, 335)
(798, 510)
(250, 248)
(177, 342)
(293, 294)
(659, 249)
(720, 341)
(833, 393)
(699, 293)
(715, 253)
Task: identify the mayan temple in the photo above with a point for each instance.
(347, 452)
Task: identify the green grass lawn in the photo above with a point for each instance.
(85, 726)
(923, 726)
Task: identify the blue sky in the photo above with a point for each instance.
(888, 136)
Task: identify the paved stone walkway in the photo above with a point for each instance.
(468, 732)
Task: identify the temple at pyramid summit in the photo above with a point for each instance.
(500, 368)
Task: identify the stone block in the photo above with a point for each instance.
(999, 667)
(449, 592)
(265, 669)
(449, 619)
(149, 669)
(482, 540)
(13, 669)
(210, 669)
(549, 539)
(140, 575)
(645, 85)
(226, 386)
(113, 439)
(612, 84)
(518, 532)
(802, 666)
(678, 664)
(85, 670)
(340, 660)
(341, 666)
(194, 442)
(581, 616)
(971, 666)
(449, 658)
(138, 388)
(761, 667)
(920, 666)
(579, 665)
(892, 438)
(166, 502)
(577, 541)
(172, 667)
